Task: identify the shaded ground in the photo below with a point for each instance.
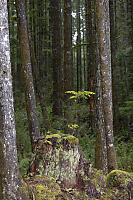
(59, 172)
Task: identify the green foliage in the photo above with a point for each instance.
(124, 150)
(24, 162)
(80, 94)
(23, 140)
(127, 109)
(73, 126)
(87, 144)
(79, 111)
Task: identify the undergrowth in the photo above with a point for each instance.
(123, 147)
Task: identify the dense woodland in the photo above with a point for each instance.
(72, 73)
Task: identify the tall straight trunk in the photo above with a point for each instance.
(91, 57)
(132, 18)
(84, 61)
(46, 39)
(55, 15)
(113, 64)
(12, 35)
(103, 29)
(41, 40)
(9, 173)
(100, 148)
(125, 43)
(38, 85)
(35, 30)
(79, 63)
(27, 73)
(67, 47)
(35, 64)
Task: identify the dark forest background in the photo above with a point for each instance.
(64, 57)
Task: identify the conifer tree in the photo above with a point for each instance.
(9, 174)
(103, 29)
(27, 72)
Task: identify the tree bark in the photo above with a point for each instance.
(27, 73)
(113, 63)
(103, 26)
(55, 15)
(9, 174)
(100, 147)
(79, 64)
(91, 56)
(67, 47)
(38, 85)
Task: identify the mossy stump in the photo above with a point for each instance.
(58, 171)
(58, 157)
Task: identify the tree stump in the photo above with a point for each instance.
(58, 157)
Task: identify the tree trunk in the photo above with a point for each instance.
(102, 10)
(27, 73)
(79, 64)
(55, 15)
(91, 56)
(100, 148)
(67, 47)
(113, 64)
(38, 85)
(9, 174)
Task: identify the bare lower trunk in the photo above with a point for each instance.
(55, 15)
(9, 174)
(101, 148)
(106, 80)
(27, 72)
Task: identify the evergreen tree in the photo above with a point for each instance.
(55, 22)
(67, 46)
(103, 29)
(9, 174)
(27, 73)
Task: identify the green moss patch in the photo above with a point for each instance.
(118, 178)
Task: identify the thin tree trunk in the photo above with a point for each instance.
(38, 85)
(79, 64)
(67, 56)
(67, 47)
(113, 63)
(27, 73)
(103, 26)
(55, 15)
(91, 58)
(84, 61)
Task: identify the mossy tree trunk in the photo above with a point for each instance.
(27, 72)
(103, 28)
(9, 174)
